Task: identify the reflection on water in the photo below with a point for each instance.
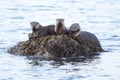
(61, 61)
(100, 17)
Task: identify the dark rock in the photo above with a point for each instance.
(53, 47)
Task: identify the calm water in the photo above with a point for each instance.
(101, 17)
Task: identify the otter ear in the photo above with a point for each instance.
(62, 19)
(30, 23)
(59, 19)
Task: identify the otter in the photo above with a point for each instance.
(40, 31)
(35, 26)
(35, 29)
(60, 28)
(76, 33)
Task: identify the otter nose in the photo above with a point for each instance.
(60, 23)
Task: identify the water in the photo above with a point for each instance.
(101, 17)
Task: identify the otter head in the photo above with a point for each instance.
(60, 27)
(35, 26)
(74, 30)
(59, 21)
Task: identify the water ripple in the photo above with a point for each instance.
(17, 17)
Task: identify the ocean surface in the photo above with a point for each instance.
(101, 17)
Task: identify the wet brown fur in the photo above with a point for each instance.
(60, 28)
(84, 36)
(41, 31)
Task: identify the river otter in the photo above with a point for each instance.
(80, 36)
(60, 28)
(41, 31)
(36, 27)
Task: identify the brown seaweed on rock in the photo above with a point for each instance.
(63, 46)
(53, 47)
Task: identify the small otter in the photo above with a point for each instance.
(41, 31)
(80, 36)
(60, 28)
(36, 27)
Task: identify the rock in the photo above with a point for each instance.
(53, 47)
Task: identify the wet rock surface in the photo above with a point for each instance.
(54, 47)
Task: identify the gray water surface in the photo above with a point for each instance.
(101, 17)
